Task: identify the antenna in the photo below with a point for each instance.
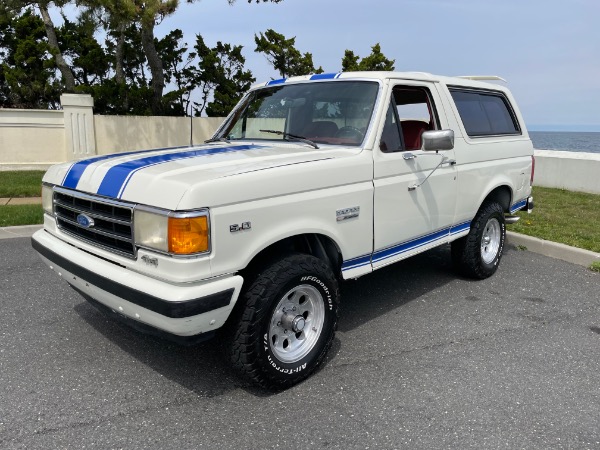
(191, 120)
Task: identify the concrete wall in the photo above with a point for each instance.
(129, 133)
(568, 170)
(31, 139)
(36, 139)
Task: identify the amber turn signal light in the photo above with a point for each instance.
(188, 235)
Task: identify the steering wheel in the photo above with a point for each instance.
(350, 133)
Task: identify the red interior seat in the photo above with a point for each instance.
(412, 131)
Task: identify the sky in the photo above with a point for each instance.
(547, 50)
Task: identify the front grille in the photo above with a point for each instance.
(113, 221)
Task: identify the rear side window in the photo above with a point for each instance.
(485, 113)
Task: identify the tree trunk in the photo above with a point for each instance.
(62, 65)
(119, 55)
(156, 68)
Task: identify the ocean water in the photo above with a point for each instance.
(566, 141)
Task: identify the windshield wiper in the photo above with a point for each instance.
(291, 137)
(219, 139)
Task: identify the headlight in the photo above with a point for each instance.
(176, 233)
(47, 196)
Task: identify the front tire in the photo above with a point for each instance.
(287, 323)
(478, 254)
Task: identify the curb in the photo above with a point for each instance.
(553, 249)
(19, 232)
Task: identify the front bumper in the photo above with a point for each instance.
(180, 309)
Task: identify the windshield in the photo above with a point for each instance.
(336, 113)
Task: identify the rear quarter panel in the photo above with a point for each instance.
(485, 163)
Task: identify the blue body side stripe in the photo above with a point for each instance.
(517, 206)
(117, 177)
(460, 227)
(403, 247)
(74, 173)
(356, 262)
(409, 245)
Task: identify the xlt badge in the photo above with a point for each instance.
(347, 213)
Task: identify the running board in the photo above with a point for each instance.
(511, 219)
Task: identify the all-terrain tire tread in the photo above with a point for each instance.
(466, 251)
(247, 336)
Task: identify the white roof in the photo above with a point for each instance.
(467, 80)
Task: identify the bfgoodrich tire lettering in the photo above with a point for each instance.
(478, 254)
(287, 323)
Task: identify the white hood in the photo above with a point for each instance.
(192, 177)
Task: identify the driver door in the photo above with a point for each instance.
(411, 219)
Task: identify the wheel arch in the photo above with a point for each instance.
(502, 195)
(315, 244)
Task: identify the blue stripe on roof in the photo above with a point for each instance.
(75, 172)
(116, 179)
(325, 76)
(280, 81)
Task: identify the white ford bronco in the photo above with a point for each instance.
(310, 181)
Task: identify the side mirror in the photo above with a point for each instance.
(438, 140)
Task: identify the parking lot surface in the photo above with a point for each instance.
(422, 359)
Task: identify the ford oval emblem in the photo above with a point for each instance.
(85, 221)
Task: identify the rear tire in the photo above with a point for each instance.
(286, 322)
(478, 254)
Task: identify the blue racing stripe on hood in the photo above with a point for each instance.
(116, 179)
(74, 173)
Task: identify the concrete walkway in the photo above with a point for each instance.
(20, 201)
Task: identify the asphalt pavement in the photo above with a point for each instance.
(422, 359)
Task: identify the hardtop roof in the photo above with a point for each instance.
(470, 80)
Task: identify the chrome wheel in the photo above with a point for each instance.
(296, 323)
(490, 240)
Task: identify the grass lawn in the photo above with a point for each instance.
(11, 215)
(26, 183)
(571, 218)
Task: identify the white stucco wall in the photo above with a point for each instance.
(568, 170)
(129, 133)
(36, 139)
(31, 139)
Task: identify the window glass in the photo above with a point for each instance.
(484, 113)
(336, 113)
(416, 113)
(390, 137)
